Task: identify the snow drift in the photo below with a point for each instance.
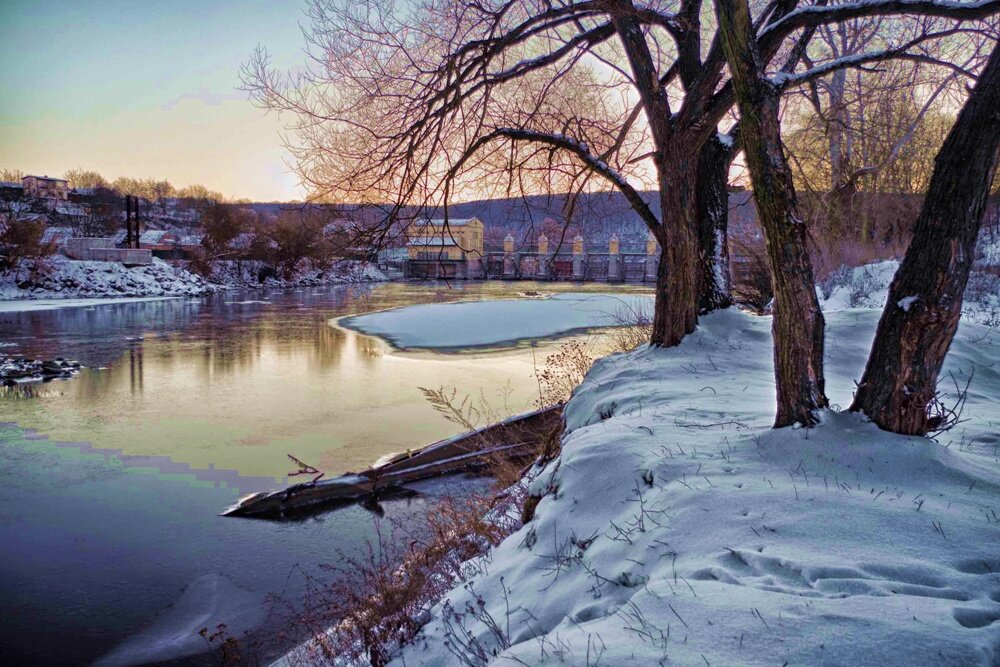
(676, 527)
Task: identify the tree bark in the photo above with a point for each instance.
(676, 306)
(798, 323)
(713, 222)
(925, 298)
(678, 279)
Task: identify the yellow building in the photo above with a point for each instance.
(462, 239)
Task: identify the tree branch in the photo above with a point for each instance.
(577, 149)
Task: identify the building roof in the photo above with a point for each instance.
(431, 241)
(47, 178)
(10, 184)
(452, 222)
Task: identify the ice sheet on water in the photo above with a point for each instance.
(484, 323)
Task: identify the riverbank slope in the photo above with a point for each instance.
(678, 526)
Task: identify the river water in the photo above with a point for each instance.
(111, 483)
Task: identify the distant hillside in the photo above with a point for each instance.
(596, 215)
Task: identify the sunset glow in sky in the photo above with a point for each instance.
(145, 89)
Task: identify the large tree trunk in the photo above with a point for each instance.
(676, 308)
(678, 284)
(925, 298)
(713, 222)
(798, 322)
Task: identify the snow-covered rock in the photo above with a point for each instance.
(677, 527)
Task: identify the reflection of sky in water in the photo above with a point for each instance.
(91, 550)
(110, 511)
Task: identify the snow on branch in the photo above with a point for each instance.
(784, 80)
(815, 15)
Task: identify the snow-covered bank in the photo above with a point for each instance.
(867, 286)
(492, 322)
(62, 278)
(677, 527)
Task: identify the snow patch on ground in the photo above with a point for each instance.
(677, 527)
(482, 323)
(868, 287)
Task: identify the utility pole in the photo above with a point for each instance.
(128, 221)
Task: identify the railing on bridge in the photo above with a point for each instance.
(573, 263)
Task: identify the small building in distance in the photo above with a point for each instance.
(438, 250)
(460, 239)
(170, 245)
(46, 187)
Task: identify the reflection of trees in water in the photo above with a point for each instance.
(28, 390)
(219, 335)
(369, 349)
(96, 335)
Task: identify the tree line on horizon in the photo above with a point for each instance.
(151, 189)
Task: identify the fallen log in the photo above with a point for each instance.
(514, 438)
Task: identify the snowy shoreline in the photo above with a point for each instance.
(112, 282)
(676, 524)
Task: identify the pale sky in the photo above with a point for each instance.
(145, 88)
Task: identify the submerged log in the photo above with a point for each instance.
(513, 439)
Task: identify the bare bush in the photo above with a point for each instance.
(21, 239)
(564, 370)
(378, 602)
(751, 273)
(632, 326)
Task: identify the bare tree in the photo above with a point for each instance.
(798, 325)
(83, 178)
(102, 214)
(11, 175)
(21, 234)
(925, 298)
(874, 130)
(416, 104)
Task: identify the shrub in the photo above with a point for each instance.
(632, 327)
(21, 242)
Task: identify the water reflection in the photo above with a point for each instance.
(238, 381)
(110, 483)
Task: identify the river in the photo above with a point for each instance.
(111, 483)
